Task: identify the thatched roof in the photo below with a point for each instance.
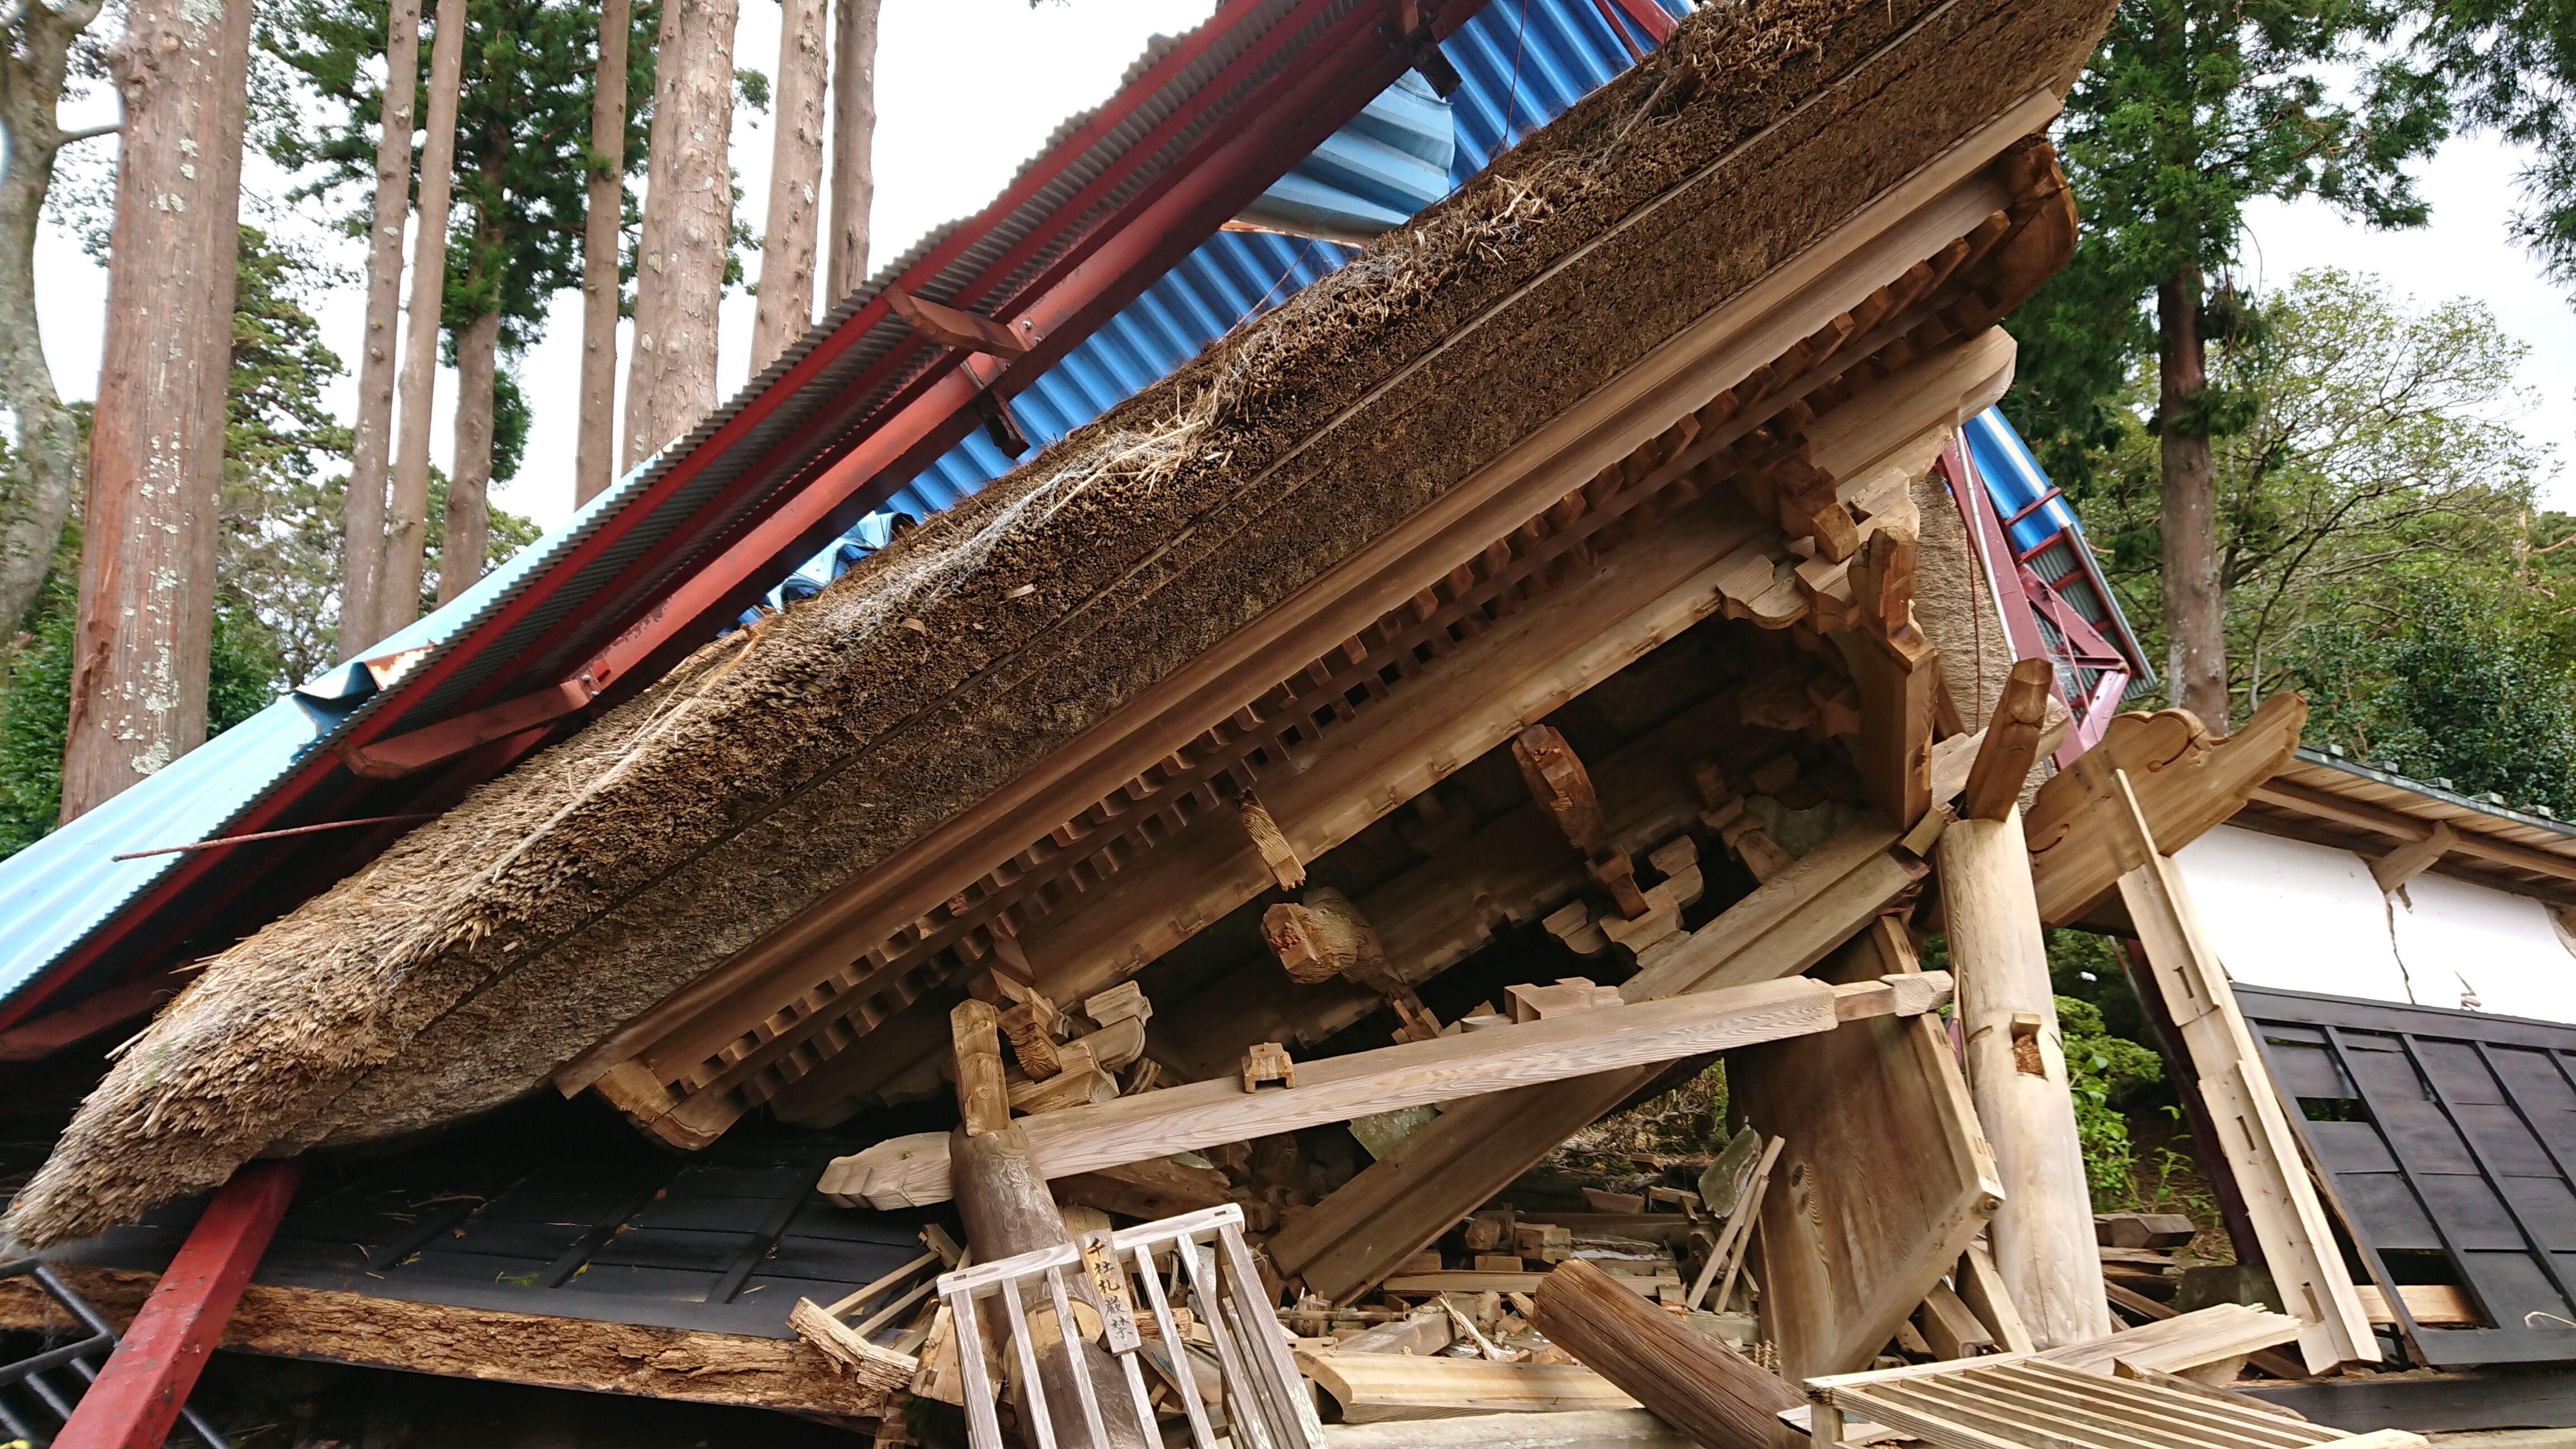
(501, 941)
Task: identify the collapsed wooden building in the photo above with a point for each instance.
(1546, 654)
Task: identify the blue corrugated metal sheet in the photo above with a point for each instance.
(1520, 64)
(2018, 487)
(56, 890)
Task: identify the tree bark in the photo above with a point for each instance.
(138, 689)
(688, 212)
(48, 441)
(854, 129)
(407, 520)
(2195, 618)
(371, 440)
(595, 448)
(469, 510)
(2017, 1076)
(788, 237)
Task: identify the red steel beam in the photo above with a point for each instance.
(137, 1397)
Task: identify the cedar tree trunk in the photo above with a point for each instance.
(407, 522)
(795, 183)
(48, 441)
(595, 450)
(854, 129)
(2195, 632)
(688, 213)
(147, 596)
(469, 510)
(371, 441)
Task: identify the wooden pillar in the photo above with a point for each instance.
(137, 1397)
(2017, 1067)
(1690, 1380)
(1003, 1200)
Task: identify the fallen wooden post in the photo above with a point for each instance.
(1691, 1381)
(1380, 1387)
(2289, 1220)
(1003, 1200)
(2043, 1230)
(137, 1396)
(912, 1171)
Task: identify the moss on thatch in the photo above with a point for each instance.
(491, 946)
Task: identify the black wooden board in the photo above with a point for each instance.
(2448, 1140)
(559, 1208)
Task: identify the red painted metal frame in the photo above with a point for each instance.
(1650, 18)
(138, 1395)
(677, 591)
(2028, 600)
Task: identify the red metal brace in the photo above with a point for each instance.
(139, 1394)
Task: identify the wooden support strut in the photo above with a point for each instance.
(2288, 1219)
(913, 1171)
(2016, 1061)
(137, 1396)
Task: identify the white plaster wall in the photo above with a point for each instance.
(2293, 916)
(2300, 917)
(2467, 945)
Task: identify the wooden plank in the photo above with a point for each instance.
(2185, 779)
(1375, 1388)
(1691, 1381)
(487, 1344)
(2289, 1221)
(136, 1398)
(1981, 1287)
(1446, 1170)
(2433, 1305)
(1465, 1281)
(950, 327)
(1883, 1182)
(908, 1171)
(2308, 800)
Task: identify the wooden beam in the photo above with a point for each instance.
(2412, 860)
(475, 1343)
(2184, 778)
(950, 327)
(1691, 1381)
(1443, 1172)
(910, 1171)
(1898, 672)
(136, 1398)
(2289, 1221)
(2408, 829)
(1267, 842)
(2011, 742)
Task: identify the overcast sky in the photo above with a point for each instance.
(943, 150)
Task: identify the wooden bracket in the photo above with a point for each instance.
(2406, 862)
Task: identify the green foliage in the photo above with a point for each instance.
(2442, 680)
(2511, 68)
(2102, 1070)
(36, 695)
(523, 158)
(2371, 439)
(2190, 110)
